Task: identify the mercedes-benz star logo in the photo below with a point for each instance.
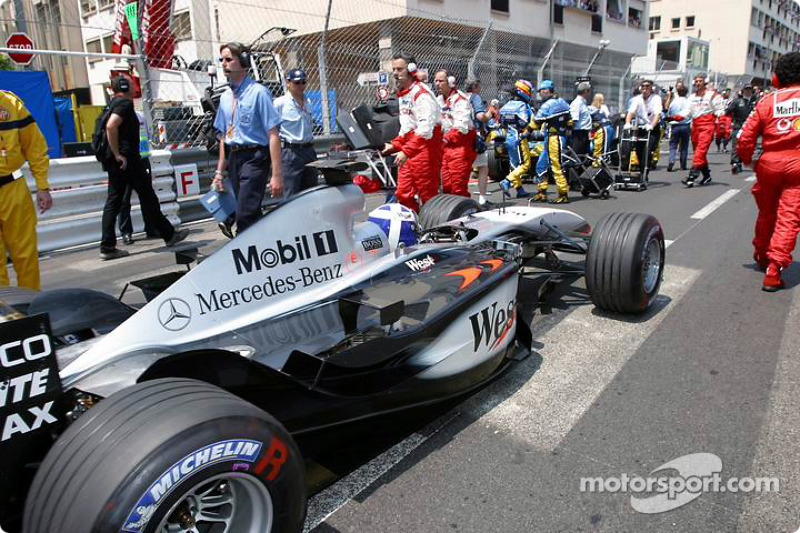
(174, 314)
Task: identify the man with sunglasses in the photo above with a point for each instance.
(297, 149)
(247, 125)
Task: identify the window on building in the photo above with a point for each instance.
(690, 22)
(676, 23)
(754, 17)
(182, 26)
(634, 17)
(558, 14)
(597, 24)
(106, 4)
(94, 46)
(697, 56)
(500, 5)
(655, 23)
(88, 7)
(108, 43)
(668, 51)
(614, 10)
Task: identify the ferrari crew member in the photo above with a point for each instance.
(581, 121)
(419, 144)
(706, 106)
(738, 110)
(776, 118)
(20, 141)
(644, 113)
(516, 115)
(247, 123)
(459, 135)
(722, 135)
(554, 117)
(296, 133)
(679, 117)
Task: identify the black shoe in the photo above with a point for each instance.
(689, 180)
(226, 229)
(114, 253)
(671, 167)
(706, 179)
(127, 238)
(684, 167)
(178, 236)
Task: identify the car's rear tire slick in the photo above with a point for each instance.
(625, 262)
(105, 463)
(497, 170)
(445, 207)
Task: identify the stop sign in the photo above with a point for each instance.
(20, 41)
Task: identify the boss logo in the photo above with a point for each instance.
(301, 249)
(19, 352)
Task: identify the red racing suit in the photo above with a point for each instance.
(420, 139)
(723, 131)
(777, 192)
(459, 142)
(705, 110)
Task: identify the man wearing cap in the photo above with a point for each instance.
(20, 141)
(738, 110)
(722, 134)
(247, 124)
(581, 120)
(296, 135)
(126, 169)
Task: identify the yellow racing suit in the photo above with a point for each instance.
(20, 141)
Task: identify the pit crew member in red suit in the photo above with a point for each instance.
(459, 135)
(776, 118)
(419, 143)
(706, 105)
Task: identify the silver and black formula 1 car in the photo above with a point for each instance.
(182, 415)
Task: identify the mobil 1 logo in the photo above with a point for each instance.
(29, 382)
(301, 248)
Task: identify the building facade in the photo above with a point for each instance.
(771, 27)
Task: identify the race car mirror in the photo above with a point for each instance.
(338, 171)
(29, 386)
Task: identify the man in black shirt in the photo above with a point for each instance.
(739, 109)
(126, 169)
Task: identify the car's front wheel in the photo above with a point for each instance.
(443, 208)
(625, 262)
(170, 455)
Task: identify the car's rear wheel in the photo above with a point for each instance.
(498, 165)
(625, 262)
(170, 455)
(445, 207)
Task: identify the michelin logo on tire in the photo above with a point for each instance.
(229, 450)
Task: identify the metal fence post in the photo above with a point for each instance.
(323, 75)
(144, 80)
(471, 65)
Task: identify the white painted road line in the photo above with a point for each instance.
(330, 500)
(750, 178)
(713, 206)
(667, 242)
(581, 355)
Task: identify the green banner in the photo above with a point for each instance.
(131, 11)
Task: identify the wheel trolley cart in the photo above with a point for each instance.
(593, 176)
(627, 178)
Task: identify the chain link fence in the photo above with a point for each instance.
(333, 41)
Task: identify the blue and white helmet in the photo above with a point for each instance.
(398, 222)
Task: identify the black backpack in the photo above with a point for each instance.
(99, 138)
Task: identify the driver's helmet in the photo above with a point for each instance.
(523, 89)
(398, 222)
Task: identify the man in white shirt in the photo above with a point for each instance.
(581, 120)
(644, 114)
(679, 116)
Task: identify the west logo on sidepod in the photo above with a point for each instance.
(285, 253)
(491, 324)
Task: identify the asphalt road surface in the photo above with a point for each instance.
(713, 369)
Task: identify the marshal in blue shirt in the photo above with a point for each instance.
(253, 114)
(296, 124)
